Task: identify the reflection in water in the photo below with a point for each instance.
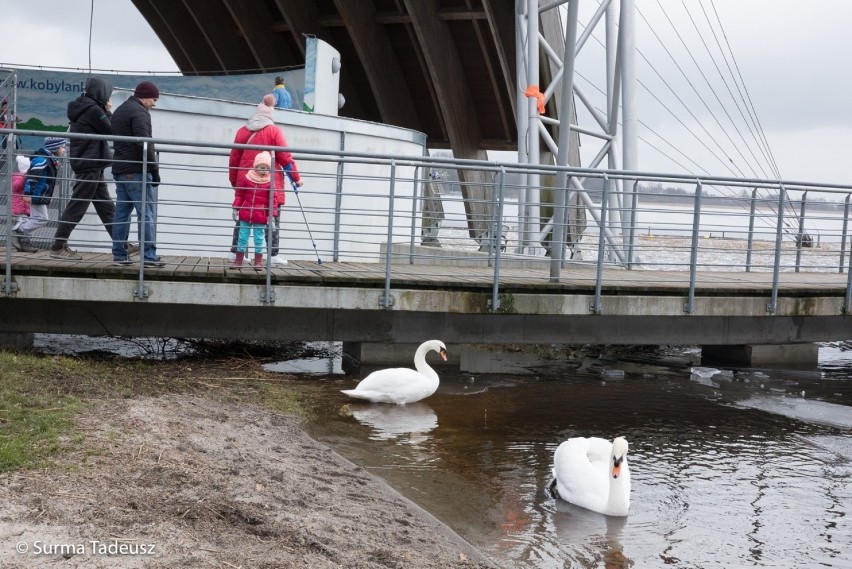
(594, 537)
(716, 483)
(406, 423)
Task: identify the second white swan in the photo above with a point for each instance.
(402, 385)
(593, 474)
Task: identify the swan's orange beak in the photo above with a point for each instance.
(443, 354)
(616, 466)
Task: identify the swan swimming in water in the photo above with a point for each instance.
(402, 385)
(593, 474)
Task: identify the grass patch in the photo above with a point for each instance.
(35, 411)
(31, 427)
(280, 398)
(39, 395)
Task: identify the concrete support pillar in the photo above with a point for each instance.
(762, 355)
(17, 341)
(372, 355)
(471, 358)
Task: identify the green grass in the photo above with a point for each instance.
(40, 395)
(281, 399)
(35, 411)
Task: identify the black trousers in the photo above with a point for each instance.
(274, 242)
(89, 187)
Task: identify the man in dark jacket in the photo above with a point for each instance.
(88, 113)
(131, 161)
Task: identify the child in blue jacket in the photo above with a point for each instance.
(38, 190)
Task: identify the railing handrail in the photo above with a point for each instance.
(487, 165)
(398, 172)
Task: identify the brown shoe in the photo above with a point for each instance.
(27, 247)
(65, 254)
(16, 241)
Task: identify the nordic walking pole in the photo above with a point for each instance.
(296, 191)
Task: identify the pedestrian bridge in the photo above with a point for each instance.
(407, 302)
(730, 263)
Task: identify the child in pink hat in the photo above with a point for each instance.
(252, 203)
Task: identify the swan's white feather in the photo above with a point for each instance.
(402, 385)
(582, 468)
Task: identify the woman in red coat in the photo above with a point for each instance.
(261, 130)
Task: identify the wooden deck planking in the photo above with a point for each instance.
(619, 281)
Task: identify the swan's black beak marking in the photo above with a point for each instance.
(616, 466)
(443, 354)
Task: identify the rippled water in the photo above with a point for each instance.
(743, 468)
(729, 468)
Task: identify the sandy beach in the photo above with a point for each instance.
(193, 480)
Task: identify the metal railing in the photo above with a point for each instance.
(366, 208)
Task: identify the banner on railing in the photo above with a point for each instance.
(43, 96)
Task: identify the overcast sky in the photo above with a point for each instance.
(793, 57)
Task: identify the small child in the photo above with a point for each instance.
(251, 201)
(38, 190)
(283, 100)
(20, 208)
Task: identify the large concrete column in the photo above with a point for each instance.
(17, 341)
(372, 354)
(762, 355)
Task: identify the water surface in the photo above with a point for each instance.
(732, 469)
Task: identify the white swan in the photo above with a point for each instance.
(402, 385)
(593, 474)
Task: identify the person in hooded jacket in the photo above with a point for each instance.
(262, 130)
(89, 113)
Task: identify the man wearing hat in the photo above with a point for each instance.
(136, 174)
(38, 190)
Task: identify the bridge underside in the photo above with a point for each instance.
(442, 67)
(725, 340)
(289, 322)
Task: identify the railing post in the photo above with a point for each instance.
(268, 297)
(596, 307)
(8, 286)
(417, 198)
(386, 301)
(631, 243)
(776, 267)
(498, 231)
(338, 199)
(693, 250)
(800, 238)
(847, 306)
(495, 219)
(750, 242)
(844, 234)
(141, 292)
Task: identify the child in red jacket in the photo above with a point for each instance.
(252, 203)
(20, 208)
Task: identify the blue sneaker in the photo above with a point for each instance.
(155, 263)
(122, 262)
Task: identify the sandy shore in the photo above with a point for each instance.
(191, 481)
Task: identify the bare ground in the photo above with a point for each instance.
(212, 483)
